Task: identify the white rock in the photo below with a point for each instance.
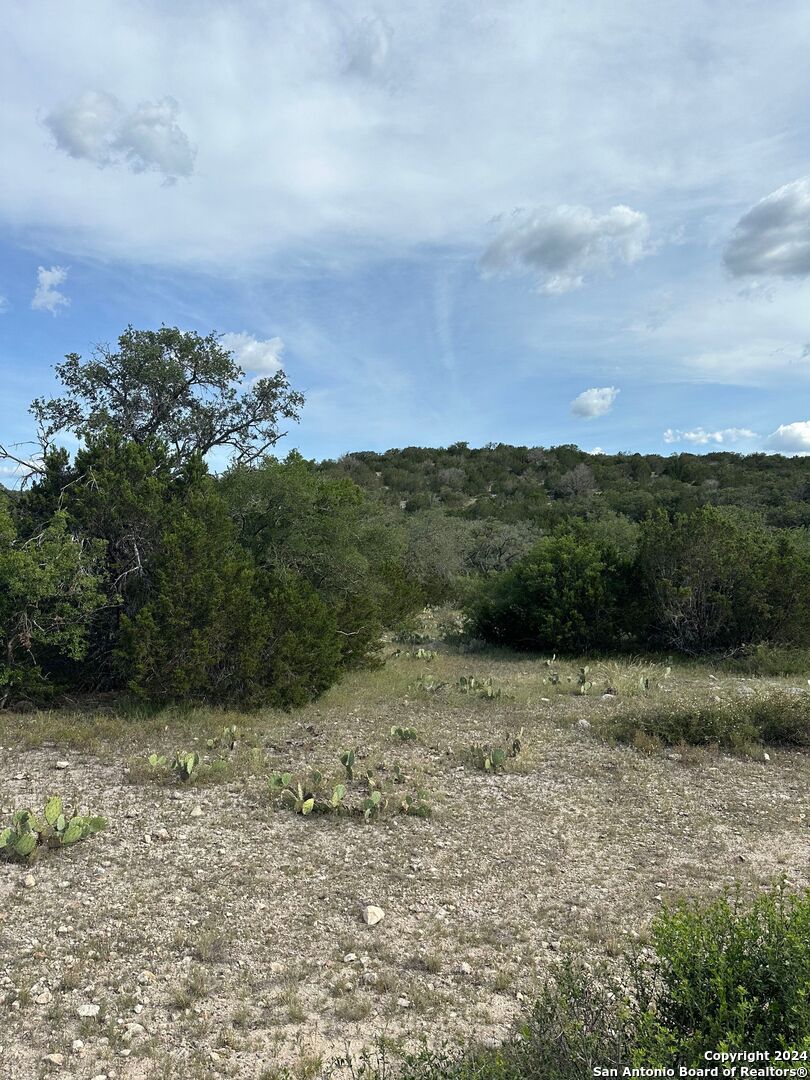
(29, 881)
(88, 1009)
(197, 812)
(465, 968)
(583, 723)
(403, 1003)
(147, 977)
(132, 1031)
(62, 765)
(372, 914)
(349, 958)
(54, 1059)
(277, 968)
(44, 998)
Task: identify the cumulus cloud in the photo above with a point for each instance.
(790, 438)
(597, 401)
(562, 246)
(47, 296)
(700, 437)
(253, 355)
(774, 236)
(97, 127)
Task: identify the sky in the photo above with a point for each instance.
(523, 222)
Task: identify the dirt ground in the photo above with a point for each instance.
(220, 937)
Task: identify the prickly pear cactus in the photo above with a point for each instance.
(27, 833)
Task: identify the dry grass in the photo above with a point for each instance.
(231, 938)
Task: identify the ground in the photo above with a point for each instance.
(229, 941)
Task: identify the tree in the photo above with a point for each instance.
(173, 386)
(563, 596)
(296, 519)
(49, 590)
(216, 628)
(717, 579)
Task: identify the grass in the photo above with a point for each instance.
(580, 839)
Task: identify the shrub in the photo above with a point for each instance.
(564, 596)
(720, 580)
(721, 978)
(778, 718)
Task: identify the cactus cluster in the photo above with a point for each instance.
(310, 795)
(306, 796)
(482, 688)
(29, 832)
(490, 759)
(583, 682)
(404, 734)
(226, 741)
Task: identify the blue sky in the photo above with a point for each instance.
(517, 222)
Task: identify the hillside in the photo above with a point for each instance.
(546, 486)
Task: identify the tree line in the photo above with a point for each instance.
(127, 566)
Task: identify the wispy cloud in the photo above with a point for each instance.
(47, 296)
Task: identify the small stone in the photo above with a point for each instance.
(29, 881)
(132, 1031)
(350, 958)
(77, 1046)
(44, 998)
(88, 1010)
(163, 834)
(277, 968)
(147, 977)
(465, 968)
(63, 929)
(54, 1059)
(196, 812)
(62, 765)
(147, 838)
(372, 914)
(403, 1003)
(766, 757)
(583, 723)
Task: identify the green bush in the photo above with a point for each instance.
(721, 978)
(217, 629)
(564, 596)
(719, 580)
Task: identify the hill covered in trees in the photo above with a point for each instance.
(548, 486)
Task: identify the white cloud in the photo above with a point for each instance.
(774, 236)
(597, 401)
(253, 355)
(47, 296)
(97, 127)
(790, 438)
(700, 437)
(597, 450)
(3, 304)
(560, 247)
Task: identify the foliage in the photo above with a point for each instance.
(49, 591)
(404, 734)
(306, 796)
(718, 580)
(722, 978)
(562, 596)
(28, 833)
(297, 520)
(171, 386)
(490, 759)
(776, 718)
(216, 628)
